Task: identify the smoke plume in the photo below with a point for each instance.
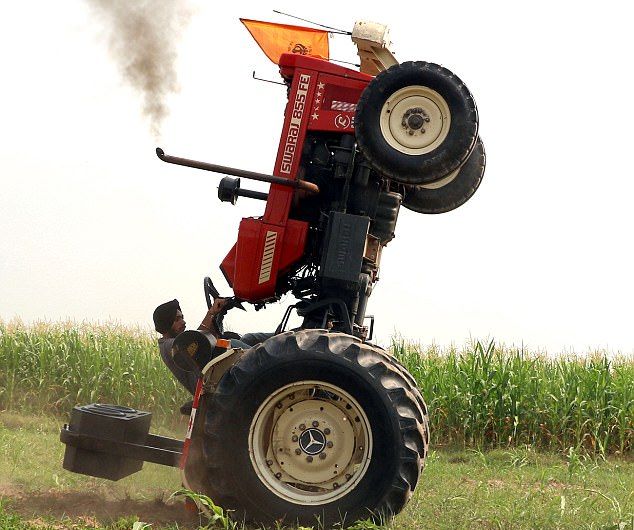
(143, 35)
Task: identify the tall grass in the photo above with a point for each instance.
(481, 396)
(494, 397)
(50, 367)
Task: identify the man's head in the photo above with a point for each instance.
(168, 319)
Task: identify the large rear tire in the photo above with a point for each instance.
(416, 122)
(314, 425)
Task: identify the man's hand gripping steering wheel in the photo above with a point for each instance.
(213, 298)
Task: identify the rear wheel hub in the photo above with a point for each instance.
(313, 448)
(312, 442)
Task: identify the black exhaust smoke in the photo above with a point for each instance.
(143, 36)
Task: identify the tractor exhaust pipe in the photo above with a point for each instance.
(262, 177)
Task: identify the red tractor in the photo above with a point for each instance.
(317, 422)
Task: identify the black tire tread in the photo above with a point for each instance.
(455, 193)
(426, 168)
(398, 385)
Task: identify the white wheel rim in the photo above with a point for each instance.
(415, 120)
(442, 182)
(329, 430)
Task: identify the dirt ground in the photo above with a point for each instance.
(93, 509)
(34, 486)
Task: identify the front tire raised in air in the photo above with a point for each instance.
(452, 191)
(416, 122)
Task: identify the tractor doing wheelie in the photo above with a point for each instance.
(314, 422)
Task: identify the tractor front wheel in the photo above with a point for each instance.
(416, 122)
(311, 426)
(452, 191)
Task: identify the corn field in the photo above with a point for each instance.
(480, 396)
(485, 396)
(50, 367)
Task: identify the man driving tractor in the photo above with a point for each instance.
(169, 321)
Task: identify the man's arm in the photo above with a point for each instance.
(209, 324)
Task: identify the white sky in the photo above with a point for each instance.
(95, 227)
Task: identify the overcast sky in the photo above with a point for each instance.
(95, 227)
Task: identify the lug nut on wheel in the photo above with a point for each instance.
(309, 459)
(322, 456)
(315, 423)
(302, 427)
(295, 438)
(329, 445)
(278, 475)
(298, 451)
(326, 431)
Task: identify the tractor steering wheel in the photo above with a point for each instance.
(211, 293)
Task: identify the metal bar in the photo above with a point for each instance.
(252, 194)
(156, 455)
(329, 28)
(267, 80)
(163, 442)
(253, 175)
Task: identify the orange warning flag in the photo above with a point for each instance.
(276, 39)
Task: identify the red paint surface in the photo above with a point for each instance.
(315, 85)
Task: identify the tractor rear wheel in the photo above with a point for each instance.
(416, 122)
(310, 426)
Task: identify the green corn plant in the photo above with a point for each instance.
(479, 396)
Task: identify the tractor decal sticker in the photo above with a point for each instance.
(294, 126)
(343, 106)
(267, 256)
(343, 121)
(318, 96)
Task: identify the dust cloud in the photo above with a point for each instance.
(143, 36)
